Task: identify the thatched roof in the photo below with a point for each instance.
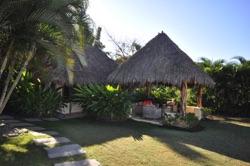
(96, 70)
(161, 61)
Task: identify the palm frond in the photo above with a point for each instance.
(57, 56)
(80, 55)
(239, 58)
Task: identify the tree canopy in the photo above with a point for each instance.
(35, 28)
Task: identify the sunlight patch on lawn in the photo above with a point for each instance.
(13, 148)
(239, 123)
(245, 122)
(131, 151)
(213, 158)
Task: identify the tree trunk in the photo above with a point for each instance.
(3, 66)
(7, 81)
(148, 89)
(29, 57)
(70, 98)
(199, 97)
(119, 87)
(183, 97)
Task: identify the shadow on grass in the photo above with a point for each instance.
(234, 119)
(15, 149)
(223, 138)
(22, 151)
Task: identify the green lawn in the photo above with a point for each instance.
(225, 141)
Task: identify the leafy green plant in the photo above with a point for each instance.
(39, 102)
(105, 103)
(192, 95)
(163, 94)
(160, 94)
(206, 111)
(188, 120)
(191, 119)
(35, 100)
(139, 95)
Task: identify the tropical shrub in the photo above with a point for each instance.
(139, 95)
(163, 94)
(188, 120)
(206, 112)
(103, 102)
(159, 94)
(192, 93)
(231, 93)
(36, 100)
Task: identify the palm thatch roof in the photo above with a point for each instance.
(96, 70)
(161, 61)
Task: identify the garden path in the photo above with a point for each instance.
(53, 152)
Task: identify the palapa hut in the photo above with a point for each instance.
(92, 68)
(162, 61)
(95, 70)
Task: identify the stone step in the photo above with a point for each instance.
(4, 117)
(41, 133)
(33, 120)
(65, 150)
(20, 124)
(87, 162)
(10, 121)
(53, 140)
(152, 121)
(35, 128)
(50, 119)
(72, 115)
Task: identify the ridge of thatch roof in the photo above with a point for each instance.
(162, 61)
(98, 67)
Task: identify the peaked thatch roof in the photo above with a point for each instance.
(96, 70)
(162, 61)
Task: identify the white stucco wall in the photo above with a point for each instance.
(75, 109)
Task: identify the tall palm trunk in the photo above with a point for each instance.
(7, 97)
(199, 97)
(6, 58)
(7, 81)
(183, 97)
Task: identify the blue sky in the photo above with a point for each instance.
(216, 29)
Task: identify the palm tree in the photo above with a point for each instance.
(241, 59)
(209, 65)
(31, 28)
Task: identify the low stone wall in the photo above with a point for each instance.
(75, 109)
(196, 110)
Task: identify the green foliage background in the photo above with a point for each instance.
(231, 93)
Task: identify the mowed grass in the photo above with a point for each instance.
(224, 141)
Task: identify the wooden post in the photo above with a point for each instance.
(70, 98)
(119, 87)
(183, 96)
(199, 96)
(148, 89)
